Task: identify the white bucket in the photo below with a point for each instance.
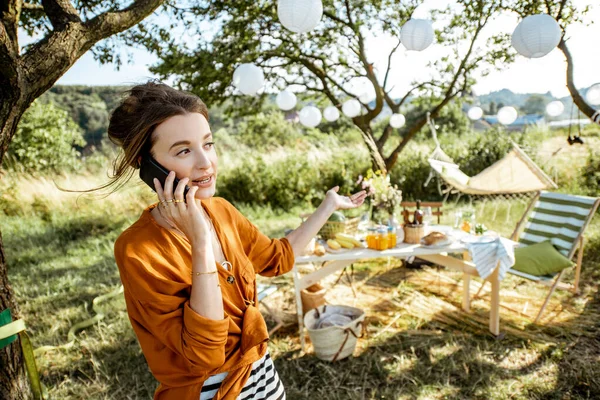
(337, 341)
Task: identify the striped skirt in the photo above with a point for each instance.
(263, 383)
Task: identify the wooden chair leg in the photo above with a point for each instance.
(558, 278)
(578, 267)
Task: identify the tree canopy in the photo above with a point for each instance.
(327, 60)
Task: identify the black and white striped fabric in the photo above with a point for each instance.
(559, 218)
(263, 383)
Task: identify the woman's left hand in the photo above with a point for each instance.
(345, 202)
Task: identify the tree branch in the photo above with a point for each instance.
(449, 95)
(389, 65)
(395, 108)
(10, 12)
(48, 59)
(60, 13)
(109, 23)
(33, 7)
(578, 99)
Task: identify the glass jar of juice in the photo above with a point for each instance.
(391, 234)
(371, 238)
(382, 239)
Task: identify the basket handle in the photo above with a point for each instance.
(318, 314)
(348, 331)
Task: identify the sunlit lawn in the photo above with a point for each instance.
(419, 343)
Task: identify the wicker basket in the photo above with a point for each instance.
(413, 233)
(334, 342)
(312, 297)
(349, 226)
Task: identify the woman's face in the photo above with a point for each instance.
(184, 144)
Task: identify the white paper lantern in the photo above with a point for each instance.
(555, 108)
(331, 113)
(397, 120)
(299, 16)
(475, 113)
(310, 116)
(536, 35)
(593, 94)
(351, 108)
(286, 100)
(417, 34)
(248, 78)
(507, 115)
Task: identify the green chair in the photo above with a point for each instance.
(561, 219)
(9, 330)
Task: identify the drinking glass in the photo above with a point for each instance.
(427, 218)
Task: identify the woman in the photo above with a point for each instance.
(188, 265)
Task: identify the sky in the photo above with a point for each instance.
(523, 76)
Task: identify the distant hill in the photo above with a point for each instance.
(506, 97)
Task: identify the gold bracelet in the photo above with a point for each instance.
(204, 273)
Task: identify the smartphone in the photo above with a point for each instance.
(150, 169)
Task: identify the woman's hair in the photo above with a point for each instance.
(134, 120)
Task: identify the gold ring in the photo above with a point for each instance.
(169, 201)
(179, 201)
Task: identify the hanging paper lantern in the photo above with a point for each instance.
(555, 108)
(593, 94)
(475, 113)
(248, 78)
(507, 115)
(310, 116)
(417, 34)
(299, 16)
(351, 108)
(397, 120)
(331, 113)
(536, 35)
(286, 100)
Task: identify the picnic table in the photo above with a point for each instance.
(440, 255)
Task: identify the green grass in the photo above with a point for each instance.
(420, 345)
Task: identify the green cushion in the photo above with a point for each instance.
(540, 259)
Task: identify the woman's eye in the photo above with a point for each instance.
(181, 152)
(209, 144)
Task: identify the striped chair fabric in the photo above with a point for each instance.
(559, 218)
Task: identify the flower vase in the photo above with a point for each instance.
(379, 216)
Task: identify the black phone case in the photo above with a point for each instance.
(150, 169)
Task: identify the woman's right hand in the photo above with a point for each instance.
(185, 216)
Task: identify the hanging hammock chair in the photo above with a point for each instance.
(512, 176)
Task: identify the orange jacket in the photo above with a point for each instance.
(183, 348)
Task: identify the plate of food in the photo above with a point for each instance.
(436, 239)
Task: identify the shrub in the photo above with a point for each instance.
(295, 180)
(590, 175)
(44, 140)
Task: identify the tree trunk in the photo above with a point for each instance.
(13, 379)
(376, 158)
(23, 78)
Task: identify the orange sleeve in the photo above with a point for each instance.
(270, 257)
(160, 313)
